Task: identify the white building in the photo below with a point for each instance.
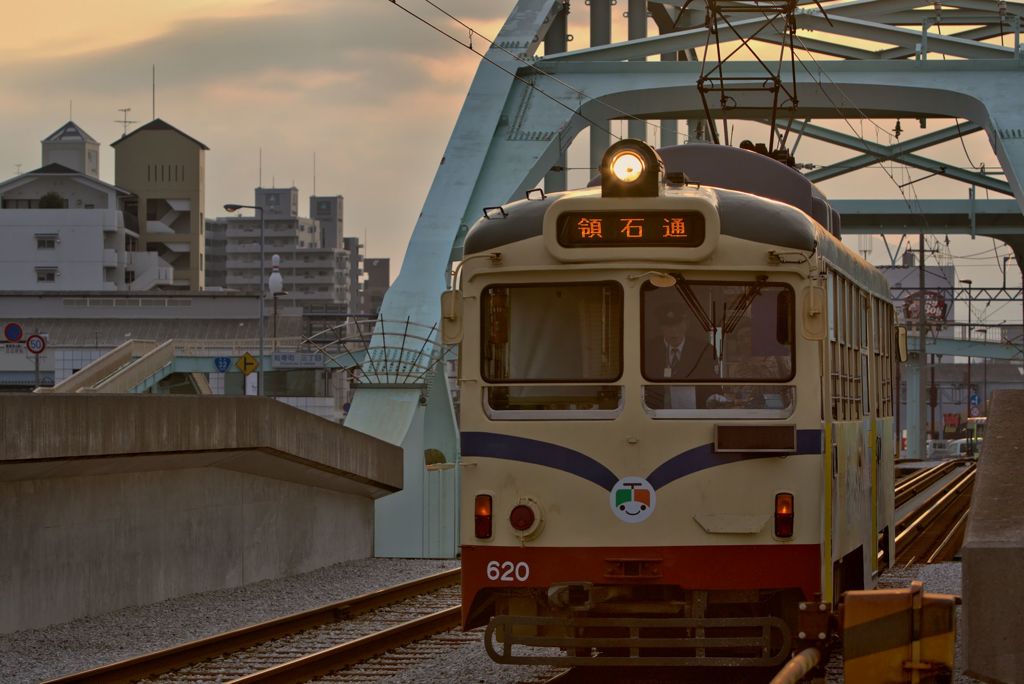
(314, 275)
(66, 230)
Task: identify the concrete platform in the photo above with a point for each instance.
(993, 549)
(118, 500)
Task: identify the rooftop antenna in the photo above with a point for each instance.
(260, 184)
(17, 170)
(70, 107)
(154, 91)
(124, 119)
(314, 174)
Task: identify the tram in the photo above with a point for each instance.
(676, 415)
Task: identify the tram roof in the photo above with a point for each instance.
(743, 215)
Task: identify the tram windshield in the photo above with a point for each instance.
(552, 333)
(705, 345)
(701, 331)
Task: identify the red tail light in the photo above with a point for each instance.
(522, 518)
(482, 524)
(784, 515)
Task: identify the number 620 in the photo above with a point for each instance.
(507, 571)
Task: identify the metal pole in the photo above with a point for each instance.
(259, 368)
(970, 337)
(922, 322)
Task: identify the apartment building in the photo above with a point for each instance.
(63, 229)
(164, 169)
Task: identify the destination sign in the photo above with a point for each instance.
(630, 229)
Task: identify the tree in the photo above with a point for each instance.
(52, 200)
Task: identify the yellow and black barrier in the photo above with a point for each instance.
(898, 635)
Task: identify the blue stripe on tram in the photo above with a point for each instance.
(704, 457)
(494, 445)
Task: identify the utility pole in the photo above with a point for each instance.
(970, 395)
(922, 323)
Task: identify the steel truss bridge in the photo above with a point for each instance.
(958, 65)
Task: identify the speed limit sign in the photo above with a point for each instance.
(35, 344)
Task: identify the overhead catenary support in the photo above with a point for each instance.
(637, 128)
(600, 34)
(555, 41)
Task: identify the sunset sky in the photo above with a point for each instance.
(370, 90)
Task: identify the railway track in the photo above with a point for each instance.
(934, 531)
(250, 650)
(342, 642)
(912, 485)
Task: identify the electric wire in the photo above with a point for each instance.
(514, 75)
(533, 67)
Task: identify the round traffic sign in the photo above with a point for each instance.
(35, 344)
(13, 332)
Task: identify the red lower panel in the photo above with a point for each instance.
(690, 567)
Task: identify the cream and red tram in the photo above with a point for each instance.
(620, 512)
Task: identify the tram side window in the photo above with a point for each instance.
(552, 333)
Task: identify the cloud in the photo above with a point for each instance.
(355, 82)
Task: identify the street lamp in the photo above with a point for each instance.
(263, 225)
(275, 283)
(968, 282)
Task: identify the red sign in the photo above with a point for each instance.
(35, 344)
(935, 307)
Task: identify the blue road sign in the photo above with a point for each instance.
(222, 363)
(13, 332)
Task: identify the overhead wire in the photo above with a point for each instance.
(502, 68)
(533, 67)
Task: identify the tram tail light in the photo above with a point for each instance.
(784, 515)
(522, 518)
(482, 520)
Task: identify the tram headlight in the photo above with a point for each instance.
(631, 168)
(627, 166)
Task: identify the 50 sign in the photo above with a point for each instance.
(507, 571)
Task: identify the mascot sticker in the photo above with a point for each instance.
(632, 499)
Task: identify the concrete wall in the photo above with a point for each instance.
(993, 549)
(108, 501)
(77, 546)
(38, 432)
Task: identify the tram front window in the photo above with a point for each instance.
(705, 344)
(539, 342)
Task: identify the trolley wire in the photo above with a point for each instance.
(533, 67)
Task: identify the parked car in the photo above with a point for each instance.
(952, 448)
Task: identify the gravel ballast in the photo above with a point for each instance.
(34, 655)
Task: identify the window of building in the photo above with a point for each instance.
(46, 241)
(46, 275)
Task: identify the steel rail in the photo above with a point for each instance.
(950, 544)
(356, 651)
(941, 510)
(167, 660)
(922, 480)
